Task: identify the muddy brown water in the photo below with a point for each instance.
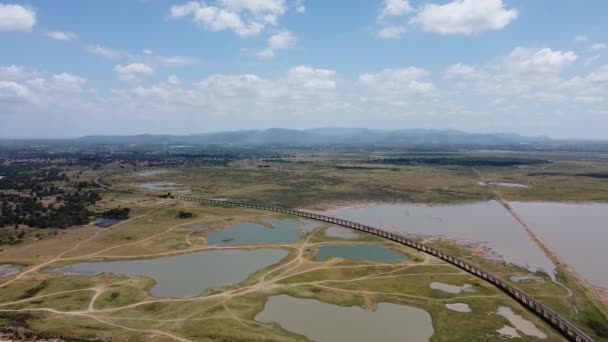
(486, 223)
(577, 232)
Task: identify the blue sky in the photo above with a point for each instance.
(71, 68)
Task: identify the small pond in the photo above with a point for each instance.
(451, 288)
(251, 233)
(146, 173)
(360, 252)
(7, 270)
(503, 184)
(521, 324)
(104, 222)
(158, 186)
(186, 275)
(521, 278)
(323, 322)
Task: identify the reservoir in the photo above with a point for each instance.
(577, 232)
(186, 275)
(486, 223)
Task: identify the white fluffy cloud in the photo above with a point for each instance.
(132, 71)
(12, 92)
(392, 32)
(460, 70)
(300, 8)
(305, 77)
(60, 35)
(16, 18)
(174, 80)
(598, 46)
(529, 90)
(395, 8)
(599, 76)
(278, 41)
(541, 61)
(20, 85)
(62, 83)
(243, 17)
(15, 72)
(397, 82)
(464, 16)
(177, 60)
(105, 52)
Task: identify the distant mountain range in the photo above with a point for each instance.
(321, 136)
(329, 136)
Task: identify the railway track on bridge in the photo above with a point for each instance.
(557, 322)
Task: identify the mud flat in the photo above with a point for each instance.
(520, 279)
(459, 307)
(521, 324)
(341, 233)
(508, 331)
(451, 288)
(323, 322)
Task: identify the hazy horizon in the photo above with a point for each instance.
(70, 69)
(431, 131)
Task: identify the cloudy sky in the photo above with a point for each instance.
(71, 68)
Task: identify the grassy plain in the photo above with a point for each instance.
(120, 308)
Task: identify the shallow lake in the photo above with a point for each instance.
(520, 323)
(487, 223)
(104, 222)
(186, 275)
(150, 173)
(577, 232)
(9, 270)
(510, 185)
(251, 233)
(360, 252)
(506, 185)
(322, 322)
(158, 186)
(454, 289)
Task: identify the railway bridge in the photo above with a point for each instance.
(557, 322)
